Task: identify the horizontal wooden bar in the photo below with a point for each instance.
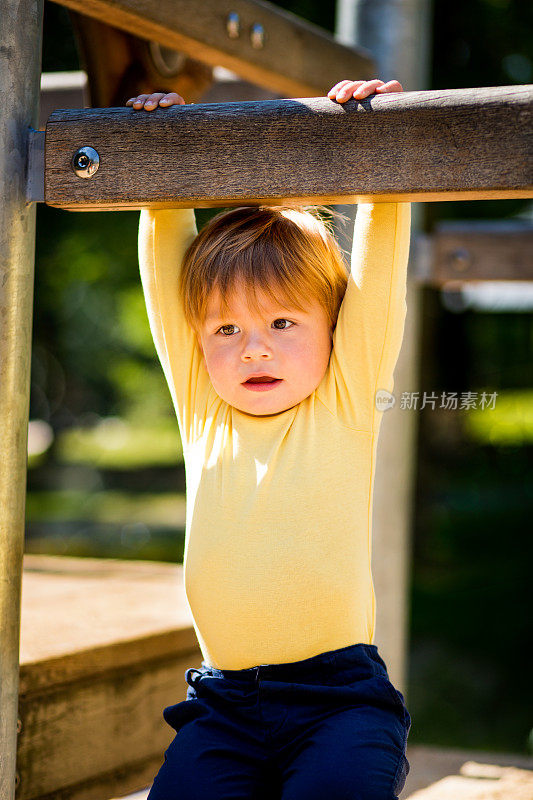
(459, 144)
(296, 57)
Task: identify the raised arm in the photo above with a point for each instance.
(369, 331)
(164, 235)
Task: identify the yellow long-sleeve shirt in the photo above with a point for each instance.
(279, 508)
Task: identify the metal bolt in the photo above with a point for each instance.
(461, 260)
(85, 162)
(233, 25)
(257, 36)
(19, 725)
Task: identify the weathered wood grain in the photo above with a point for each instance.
(415, 146)
(104, 648)
(93, 731)
(298, 58)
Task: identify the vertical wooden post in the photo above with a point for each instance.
(20, 70)
(396, 33)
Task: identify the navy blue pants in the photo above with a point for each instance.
(331, 726)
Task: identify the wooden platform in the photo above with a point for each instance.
(104, 648)
(449, 774)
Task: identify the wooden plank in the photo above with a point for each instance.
(459, 144)
(297, 57)
(81, 615)
(482, 251)
(104, 648)
(99, 736)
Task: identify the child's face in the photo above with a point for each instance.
(291, 345)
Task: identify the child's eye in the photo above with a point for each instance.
(283, 320)
(226, 326)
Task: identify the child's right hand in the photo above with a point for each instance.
(151, 101)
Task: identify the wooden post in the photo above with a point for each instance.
(439, 145)
(20, 68)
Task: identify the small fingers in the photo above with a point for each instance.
(344, 90)
(153, 101)
(390, 86)
(337, 87)
(172, 98)
(150, 102)
(347, 89)
(138, 101)
(366, 88)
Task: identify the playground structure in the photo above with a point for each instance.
(450, 145)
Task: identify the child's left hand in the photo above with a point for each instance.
(345, 90)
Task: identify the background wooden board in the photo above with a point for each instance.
(491, 250)
(286, 63)
(473, 250)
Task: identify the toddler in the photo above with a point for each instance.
(273, 354)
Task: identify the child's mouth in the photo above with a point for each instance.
(263, 384)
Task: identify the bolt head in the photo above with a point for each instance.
(85, 162)
(233, 25)
(257, 36)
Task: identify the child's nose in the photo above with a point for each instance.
(256, 346)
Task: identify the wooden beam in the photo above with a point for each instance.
(459, 144)
(495, 250)
(295, 57)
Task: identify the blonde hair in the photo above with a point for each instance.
(288, 252)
